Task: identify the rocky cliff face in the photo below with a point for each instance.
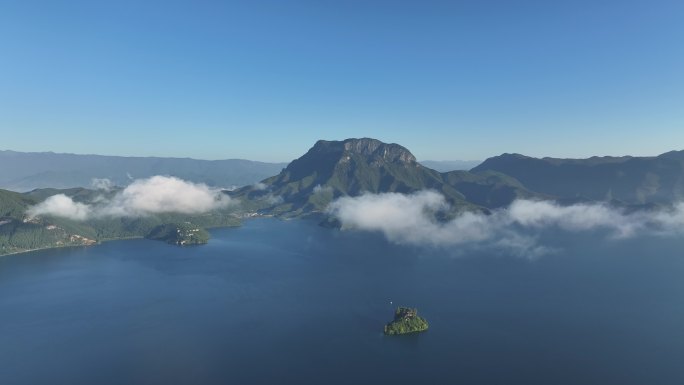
(376, 150)
(350, 167)
(327, 154)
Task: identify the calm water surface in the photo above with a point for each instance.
(290, 302)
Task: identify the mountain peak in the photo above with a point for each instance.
(352, 167)
(372, 149)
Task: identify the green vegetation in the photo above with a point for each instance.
(182, 234)
(19, 233)
(333, 169)
(627, 179)
(78, 194)
(128, 227)
(488, 189)
(14, 204)
(406, 320)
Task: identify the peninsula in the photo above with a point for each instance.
(181, 234)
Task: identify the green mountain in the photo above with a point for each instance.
(20, 233)
(489, 189)
(14, 204)
(331, 169)
(78, 194)
(631, 180)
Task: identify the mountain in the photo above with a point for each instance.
(19, 232)
(352, 167)
(489, 189)
(632, 180)
(13, 205)
(450, 165)
(24, 171)
(78, 194)
(331, 169)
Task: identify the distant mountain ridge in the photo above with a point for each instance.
(352, 167)
(632, 180)
(24, 171)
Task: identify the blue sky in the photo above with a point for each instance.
(264, 80)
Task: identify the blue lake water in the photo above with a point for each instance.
(291, 302)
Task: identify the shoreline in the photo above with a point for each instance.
(241, 218)
(99, 242)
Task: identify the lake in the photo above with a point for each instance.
(291, 302)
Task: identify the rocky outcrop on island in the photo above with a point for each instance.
(406, 320)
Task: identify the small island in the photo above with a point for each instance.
(406, 320)
(181, 234)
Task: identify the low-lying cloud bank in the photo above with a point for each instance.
(158, 194)
(61, 205)
(411, 219)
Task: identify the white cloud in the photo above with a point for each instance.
(259, 186)
(410, 219)
(101, 184)
(62, 206)
(158, 194)
(540, 214)
(401, 218)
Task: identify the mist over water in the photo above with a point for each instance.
(410, 219)
(291, 302)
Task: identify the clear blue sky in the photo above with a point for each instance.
(264, 79)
